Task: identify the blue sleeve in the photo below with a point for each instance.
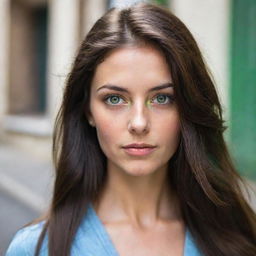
(25, 240)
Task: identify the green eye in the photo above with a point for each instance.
(112, 99)
(163, 99)
(160, 99)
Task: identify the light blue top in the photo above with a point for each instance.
(91, 239)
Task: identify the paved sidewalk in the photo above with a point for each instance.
(25, 190)
(26, 177)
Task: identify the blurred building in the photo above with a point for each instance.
(39, 39)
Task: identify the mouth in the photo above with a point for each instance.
(139, 149)
(139, 145)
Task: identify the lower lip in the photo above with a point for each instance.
(139, 151)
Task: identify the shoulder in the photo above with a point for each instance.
(25, 240)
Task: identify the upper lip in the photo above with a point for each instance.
(139, 145)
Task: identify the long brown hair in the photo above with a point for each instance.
(201, 170)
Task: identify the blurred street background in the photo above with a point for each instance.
(38, 42)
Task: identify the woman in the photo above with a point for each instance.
(141, 164)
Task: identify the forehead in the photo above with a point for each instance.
(134, 67)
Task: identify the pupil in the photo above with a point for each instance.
(161, 98)
(114, 99)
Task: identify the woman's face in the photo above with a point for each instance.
(126, 107)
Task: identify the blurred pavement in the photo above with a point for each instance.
(25, 190)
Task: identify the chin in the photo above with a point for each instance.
(139, 172)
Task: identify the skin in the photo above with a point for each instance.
(143, 207)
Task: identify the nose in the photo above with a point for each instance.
(139, 120)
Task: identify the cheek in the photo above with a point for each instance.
(170, 129)
(175, 127)
(107, 132)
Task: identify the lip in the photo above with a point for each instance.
(139, 145)
(139, 149)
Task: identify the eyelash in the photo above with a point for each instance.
(169, 96)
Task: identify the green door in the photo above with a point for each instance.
(243, 86)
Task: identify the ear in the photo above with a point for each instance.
(90, 118)
(91, 122)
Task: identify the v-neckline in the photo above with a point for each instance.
(111, 249)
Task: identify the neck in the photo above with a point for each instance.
(138, 200)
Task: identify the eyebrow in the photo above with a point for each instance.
(122, 89)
